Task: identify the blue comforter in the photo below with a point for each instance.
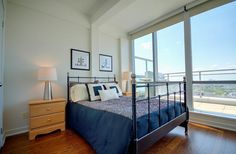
(107, 126)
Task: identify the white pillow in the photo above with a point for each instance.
(114, 86)
(108, 94)
(93, 91)
(79, 92)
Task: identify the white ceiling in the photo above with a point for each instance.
(142, 12)
(87, 7)
(134, 15)
(131, 14)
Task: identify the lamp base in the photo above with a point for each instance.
(47, 91)
(126, 86)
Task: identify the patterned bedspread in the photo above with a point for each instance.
(123, 106)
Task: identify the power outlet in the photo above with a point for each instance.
(24, 115)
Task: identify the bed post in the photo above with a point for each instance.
(115, 78)
(68, 87)
(133, 76)
(185, 98)
(186, 109)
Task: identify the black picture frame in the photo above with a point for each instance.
(84, 59)
(109, 63)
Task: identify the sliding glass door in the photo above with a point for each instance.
(214, 60)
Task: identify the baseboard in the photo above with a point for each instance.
(16, 131)
(3, 138)
(214, 121)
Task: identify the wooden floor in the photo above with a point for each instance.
(201, 140)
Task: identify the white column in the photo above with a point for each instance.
(132, 55)
(155, 56)
(188, 60)
(94, 50)
(124, 60)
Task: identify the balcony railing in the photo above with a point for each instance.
(201, 74)
(203, 79)
(213, 90)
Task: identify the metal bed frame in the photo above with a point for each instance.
(139, 145)
(77, 79)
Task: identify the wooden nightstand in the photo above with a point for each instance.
(127, 94)
(46, 116)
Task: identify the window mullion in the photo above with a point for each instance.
(188, 60)
(155, 58)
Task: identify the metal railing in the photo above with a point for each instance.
(202, 73)
(203, 79)
(207, 86)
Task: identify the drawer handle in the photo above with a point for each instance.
(48, 109)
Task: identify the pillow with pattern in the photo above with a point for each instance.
(93, 90)
(114, 86)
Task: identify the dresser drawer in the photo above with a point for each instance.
(45, 120)
(43, 109)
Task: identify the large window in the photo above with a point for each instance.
(214, 54)
(143, 59)
(213, 50)
(170, 53)
(143, 52)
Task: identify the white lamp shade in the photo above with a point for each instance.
(47, 74)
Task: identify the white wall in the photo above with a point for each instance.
(103, 43)
(108, 46)
(36, 38)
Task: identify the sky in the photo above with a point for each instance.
(213, 43)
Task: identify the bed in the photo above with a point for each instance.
(127, 124)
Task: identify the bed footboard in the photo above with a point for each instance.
(139, 145)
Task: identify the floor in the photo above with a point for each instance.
(201, 140)
(217, 108)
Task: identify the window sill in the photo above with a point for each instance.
(211, 119)
(214, 114)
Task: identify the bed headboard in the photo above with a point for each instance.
(72, 80)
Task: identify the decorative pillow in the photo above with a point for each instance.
(108, 94)
(79, 92)
(114, 86)
(93, 91)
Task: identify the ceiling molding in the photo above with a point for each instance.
(108, 10)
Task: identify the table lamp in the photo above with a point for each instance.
(47, 74)
(126, 77)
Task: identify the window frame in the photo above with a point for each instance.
(179, 15)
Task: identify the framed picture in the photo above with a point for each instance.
(80, 60)
(105, 63)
